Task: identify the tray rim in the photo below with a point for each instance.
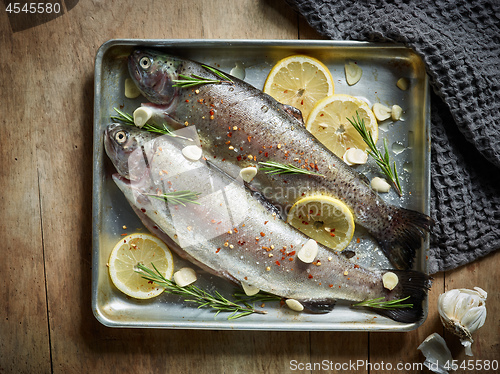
(97, 176)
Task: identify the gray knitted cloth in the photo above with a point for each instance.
(459, 41)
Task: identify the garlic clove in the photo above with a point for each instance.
(390, 280)
(436, 353)
(294, 305)
(402, 84)
(380, 185)
(353, 73)
(192, 152)
(381, 111)
(308, 252)
(142, 115)
(131, 90)
(355, 156)
(396, 112)
(249, 289)
(248, 173)
(184, 277)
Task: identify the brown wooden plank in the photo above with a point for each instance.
(482, 273)
(24, 338)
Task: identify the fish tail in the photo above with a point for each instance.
(412, 287)
(407, 228)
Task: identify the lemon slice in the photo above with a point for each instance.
(299, 81)
(323, 218)
(134, 249)
(328, 123)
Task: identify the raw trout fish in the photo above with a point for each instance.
(239, 126)
(234, 233)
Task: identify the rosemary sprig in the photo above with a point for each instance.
(179, 197)
(195, 80)
(272, 167)
(381, 160)
(127, 119)
(379, 304)
(198, 296)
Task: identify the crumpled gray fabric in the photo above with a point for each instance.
(460, 43)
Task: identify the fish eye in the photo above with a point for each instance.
(121, 137)
(145, 62)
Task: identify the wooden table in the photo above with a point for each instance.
(46, 322)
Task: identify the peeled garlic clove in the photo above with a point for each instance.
(184, 277)
(308, 252)
(396, 112)
(192, 152)
(381, 111)
(249, 289)
(390, 280)
(142, 115)
(380, 185)
(436, 353)
(238, 71)
(353, 73)
(294, 305)
(355, 156)
(131, 90)
(402, 84)
(462, 312)
(247, 174)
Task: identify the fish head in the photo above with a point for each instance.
(154, 72)
(129, 148)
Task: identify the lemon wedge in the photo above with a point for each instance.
(134, 249)
(299, 81)
(328, 123)
(325, 219)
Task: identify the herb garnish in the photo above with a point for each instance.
(272, 167)
(179, 197)
(127, 119)
(195, 80)
(198, 296)
(382, 161)
(379, 304)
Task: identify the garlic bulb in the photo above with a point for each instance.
(462, 312)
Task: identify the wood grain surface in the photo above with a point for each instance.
(46, 111)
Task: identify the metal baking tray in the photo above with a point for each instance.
(409, 142)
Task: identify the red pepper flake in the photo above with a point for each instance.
(143, 210)
(218, 250)
(358, 240)
(235, 230)
(356, 266)
(187, 100)
(332, 234)
(330, 285)
(266, 154)
(238, 158)
(124, 234)
(230, 134)
(249, 139)
(311, 165)
(292, 253)
(265, 222)
(277, 263)
(283, 257)
(262, 234)
(310, 276)
(260, 152)
(228, 142)
(212, 112)
(213, 221)
(223, 159)
(290, 259)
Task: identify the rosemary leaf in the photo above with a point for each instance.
(192, 80)
(179, 197)
(379, 304)
(382, 160)
(198, 296)
(272, 167)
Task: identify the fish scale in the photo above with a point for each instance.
(267, 130)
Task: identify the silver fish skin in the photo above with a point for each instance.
(239, 126)
(231, 234)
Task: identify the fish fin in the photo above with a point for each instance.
(319, 306)
(295, 113)
(408, 228)
(411, 284)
